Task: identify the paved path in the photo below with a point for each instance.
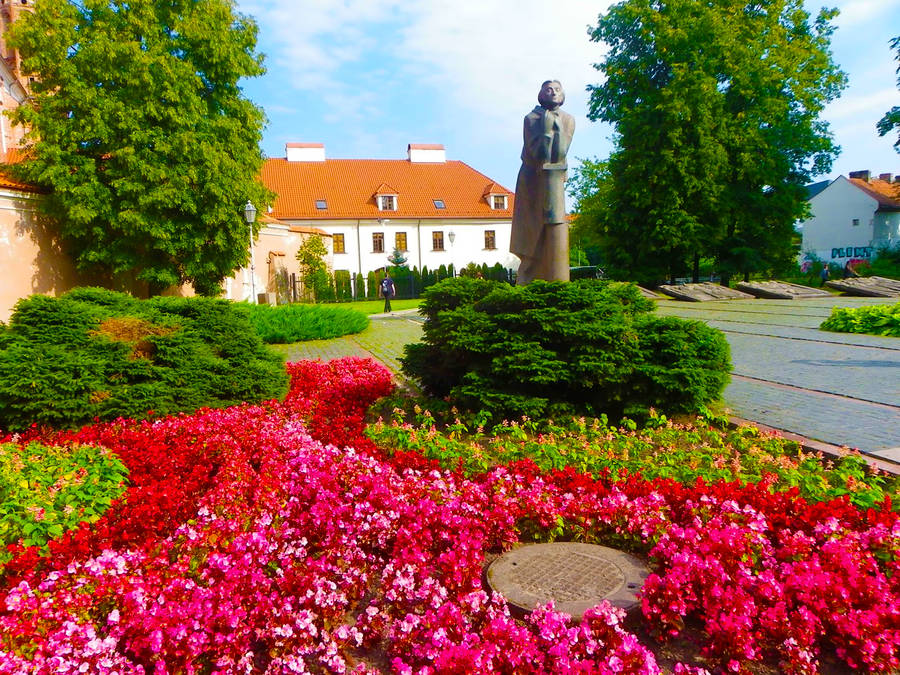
(838, 388)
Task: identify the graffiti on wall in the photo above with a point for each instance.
(852, 252)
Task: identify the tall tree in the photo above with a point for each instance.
(891, 119)
(139, 130)
(716, 107)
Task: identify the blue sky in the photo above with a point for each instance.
(368, 77)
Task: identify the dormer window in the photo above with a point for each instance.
(387, 202)
(496, 197)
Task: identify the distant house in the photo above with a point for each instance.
(852, 217)
(433, 210)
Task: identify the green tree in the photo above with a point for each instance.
(891, 119)
(396, 258)
(313, 268)
(140, 132)
(716, 108)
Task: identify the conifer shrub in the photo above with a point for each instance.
(97, 354)
(546, 349)
(296, 323)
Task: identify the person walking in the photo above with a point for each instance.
(387, 291)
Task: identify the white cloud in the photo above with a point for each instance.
(871, 105)
(482, 56)
(856, 12)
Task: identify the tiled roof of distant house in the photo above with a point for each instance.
(886, 193)
(347, 188)
(815, 188)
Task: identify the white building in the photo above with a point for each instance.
(435, 211)
(852, 217)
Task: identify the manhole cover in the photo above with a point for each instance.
(575, 576)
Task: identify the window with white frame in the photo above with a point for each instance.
(387, 202)
(498, 202)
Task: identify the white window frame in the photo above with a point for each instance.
(387, 202)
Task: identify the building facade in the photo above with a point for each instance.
(431, 210)
(851, 218)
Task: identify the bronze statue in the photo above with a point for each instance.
(540, 234)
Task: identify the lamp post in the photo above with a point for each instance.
(250, 217)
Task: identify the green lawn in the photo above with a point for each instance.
(377, 306)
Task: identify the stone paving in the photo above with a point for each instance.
(838, 388)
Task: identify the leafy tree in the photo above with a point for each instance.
(891, 119)
(140, 132)
(716, 106)
(313, 268)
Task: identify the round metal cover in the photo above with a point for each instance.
(575, 576)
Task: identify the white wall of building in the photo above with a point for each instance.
(842, 223)
(467, 245)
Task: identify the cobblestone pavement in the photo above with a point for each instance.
(837, 388)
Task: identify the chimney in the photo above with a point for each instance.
(862, 175)
(426, 153)
(304, 152)
(887, 177)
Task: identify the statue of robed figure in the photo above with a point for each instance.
(540, 234)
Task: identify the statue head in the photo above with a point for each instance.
(551, 95)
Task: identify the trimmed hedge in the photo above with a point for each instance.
(547, 349)
(97, 354)
(296, 323)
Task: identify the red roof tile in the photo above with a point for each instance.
(886, 194)
(349, 186)
(7, 180)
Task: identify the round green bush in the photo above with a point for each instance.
(549, 349)
(96, 354)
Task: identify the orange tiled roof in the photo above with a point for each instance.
(7, 180)
(887, 194)
(349, 187)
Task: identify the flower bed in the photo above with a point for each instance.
(286, 554)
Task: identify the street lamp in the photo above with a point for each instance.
(250, 217)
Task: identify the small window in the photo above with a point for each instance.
(338, 243)
(387, 203)
(439, 204)
(490, 239)
(856, 222)
(498, 202)
(437, 241)
(321, 204)
(378, 242)
(400, 241)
